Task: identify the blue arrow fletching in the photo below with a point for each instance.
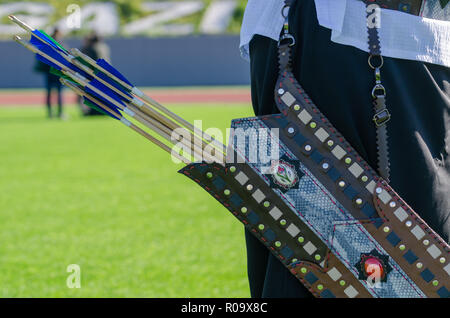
(113, 83)
(104, 89)
(44, 60)
(49, 40)
(53, 53)
(89, 102)
(112, 70)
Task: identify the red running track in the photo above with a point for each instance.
(166, 96)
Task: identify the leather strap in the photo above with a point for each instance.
(286, 40)
(381, 113)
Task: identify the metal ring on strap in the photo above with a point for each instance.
(285, 15)
(381, 88)
(371, 64)
(286, 37)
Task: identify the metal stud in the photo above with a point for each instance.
(386, 229)
(244, 209)
(342, 282)
(426, 242)
(364, 178)
(378, 190)
(261, 227)
(359, 201)
(283, 222)
(291, 130)
(442, 260)
(435, 282)
(320, 287)
(266, 204)
(296, 107)
(341, 183)
(313, 125)
(303, 270)
(308, 148)
(325, 166)
(281, 91)
(209, 175)
(232, 169)
(300, 239)
(277, 243)
(348, 160)
(317, 257)
(294, 260)
(419, 265)
(249, 187)
(338, 152)
(330, 143)
(392, 204)
(226, 192)
(408, 223)
(402, 247)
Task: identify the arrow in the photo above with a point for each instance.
(47, 44)
(118, 86)
(102, 66)
(100, 93)
(103, 83)
(91, 101)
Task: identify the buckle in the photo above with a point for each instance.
(378, 91)
(286, 39)
(382, 117)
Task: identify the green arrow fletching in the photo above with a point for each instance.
(53, 41)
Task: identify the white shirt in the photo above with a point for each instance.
(402, 35)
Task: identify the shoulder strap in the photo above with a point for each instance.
(381, 113)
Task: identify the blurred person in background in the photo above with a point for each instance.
(52, 81)
(95, 48)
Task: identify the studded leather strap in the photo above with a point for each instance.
(381, 112)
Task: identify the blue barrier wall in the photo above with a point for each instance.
(178, 61)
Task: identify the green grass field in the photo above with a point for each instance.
(90, 191)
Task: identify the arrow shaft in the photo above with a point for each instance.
(166, 127)
(20, 23)
(148, 120)
(149, 100)
(93, 63)
(137, 129)
(151, 123)
(172, 125)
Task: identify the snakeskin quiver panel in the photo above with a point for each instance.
(321, 210)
